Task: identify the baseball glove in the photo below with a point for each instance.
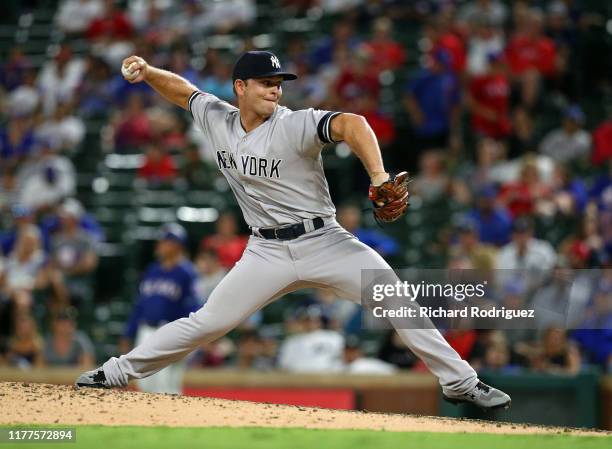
(390, 199)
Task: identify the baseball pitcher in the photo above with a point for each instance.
(271, 157)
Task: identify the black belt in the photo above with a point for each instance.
(291, 231)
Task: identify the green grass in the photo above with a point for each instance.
(102, 437)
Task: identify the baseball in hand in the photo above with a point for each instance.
(131, 71)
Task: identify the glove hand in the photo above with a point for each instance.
(390, 199)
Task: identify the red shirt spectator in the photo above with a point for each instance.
(602, 143)
(490, 97)
(357, 80)
(386, 53)
(455, 47)
(520, 196)
(133, 128)
(158, 166)
(227, 243)
(531, 52)
(114, 24)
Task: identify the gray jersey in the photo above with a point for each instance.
(276, 170)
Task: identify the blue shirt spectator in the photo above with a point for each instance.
(436, 92)
(165, 295)
(494, 222)
(13, 151)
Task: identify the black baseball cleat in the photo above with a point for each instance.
(92, 379)
(483, 396)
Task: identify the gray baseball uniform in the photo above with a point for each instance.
(276, 173)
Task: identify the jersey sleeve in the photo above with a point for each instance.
(311, 129)
(207, 109)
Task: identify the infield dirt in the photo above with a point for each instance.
(34, 403)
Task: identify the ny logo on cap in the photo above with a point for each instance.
(275, 62)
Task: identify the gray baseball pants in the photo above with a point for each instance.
(328, 257)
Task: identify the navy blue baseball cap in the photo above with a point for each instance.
(175, 232)
(259, 64)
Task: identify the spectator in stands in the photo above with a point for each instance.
(112, 23)
(356, 363)
(158, 168)
(60, 78)
(227, 16)
(17, 140)
(219, 81)
(520, 196)
(525, 251)
(432, 182)
(531, 56)
(25, 347)
(468, 245)
(214, 354)
(226, 242)
(432, 100)
(14, 69)
(356, 80)
(254, 353)
(349, 217)
(210, 273)
(555, 353)
(393, 351)
(73, 252)
(585, 248)
(595, 333)
(570, 143)
(132, 127)
(523, 139)
(568, 196)
(64, 127)
(491, 352)
(485, 40)
(66, 346)
(87, 222)
(493, 11)
(166, 293)
(24, 270)
(22, 218)
(46, 180)
(386, 53)
(602, 143)
(310, 348)
(562, 299)
(442, 34)
(25, 100)
(489, 100)
(74, 16)
(494, 221)
(343, 37)
(95, 93)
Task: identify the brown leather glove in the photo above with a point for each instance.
(390, 199)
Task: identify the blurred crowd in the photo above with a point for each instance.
(486, 105)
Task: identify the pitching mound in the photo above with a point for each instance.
(31, 403)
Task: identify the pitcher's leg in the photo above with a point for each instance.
(338, 263)
(252, 283)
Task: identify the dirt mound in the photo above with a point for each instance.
(33, 403)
